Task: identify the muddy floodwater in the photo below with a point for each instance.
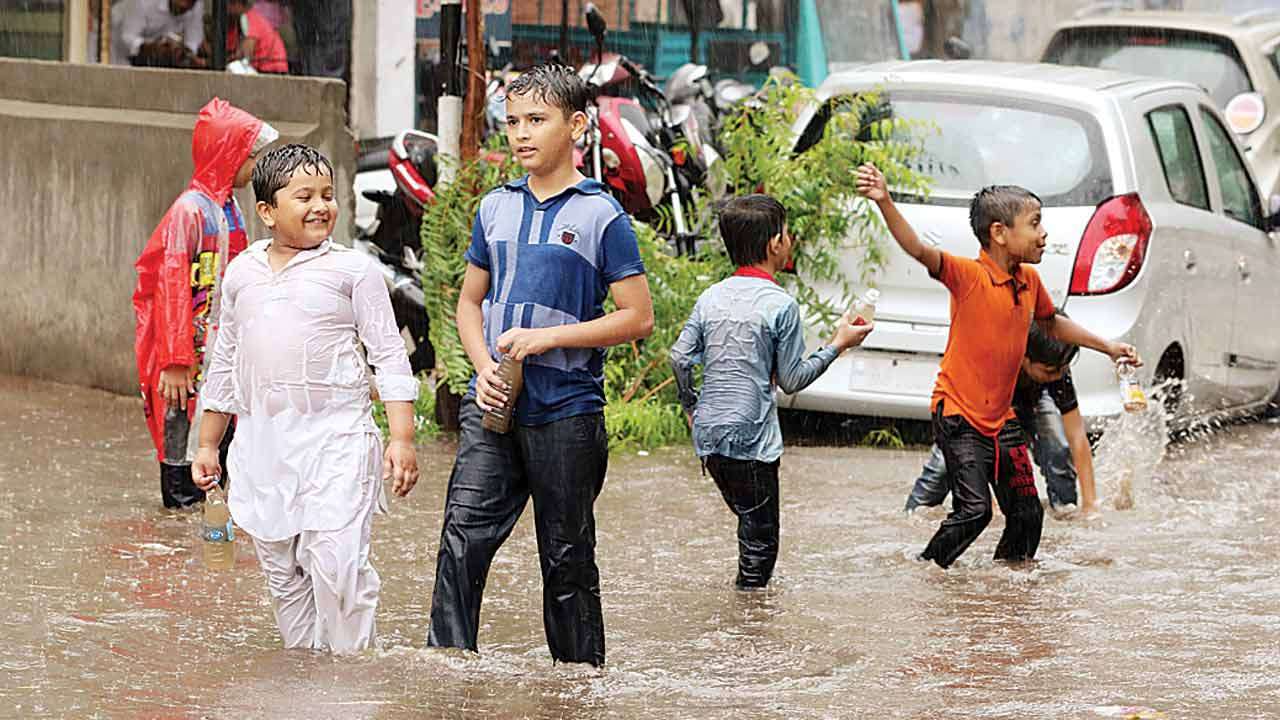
(106, 610)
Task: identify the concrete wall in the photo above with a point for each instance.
(92, 158)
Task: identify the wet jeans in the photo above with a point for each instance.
(750, 489)
(1048, 440)
(976, 464)
(561, 466)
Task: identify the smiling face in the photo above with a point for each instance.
(542, 135)
(1025, 239)
(304, 211)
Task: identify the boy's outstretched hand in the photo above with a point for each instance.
(870, 183)
(400, 465)
(1124, 352)
(849, 335)
(206, 469)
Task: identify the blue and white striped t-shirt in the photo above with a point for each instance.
(550, 263)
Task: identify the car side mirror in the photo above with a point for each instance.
(956, 49)
(595, 22)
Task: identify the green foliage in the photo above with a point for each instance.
(424, 413)
(639, 372)
(817, 188)
(838, 236)
(642, 425)
(446, 233)
(887, 436)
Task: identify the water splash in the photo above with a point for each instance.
(1132, 445)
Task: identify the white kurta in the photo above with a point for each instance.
(287, 363)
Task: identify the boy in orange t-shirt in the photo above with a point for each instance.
(993, 301)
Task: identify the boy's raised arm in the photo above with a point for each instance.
(871, 185)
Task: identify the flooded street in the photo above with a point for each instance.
(106, 610)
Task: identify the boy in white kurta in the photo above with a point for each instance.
(307, 457)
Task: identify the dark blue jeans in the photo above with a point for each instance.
(1047, 438)
(561, 466)
(750, 489)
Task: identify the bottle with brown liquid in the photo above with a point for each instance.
(511, 372)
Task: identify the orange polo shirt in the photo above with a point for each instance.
(991, 312)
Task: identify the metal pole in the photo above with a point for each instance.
(692, 10)
(449, 106)
(473, 109)
(104, 32)
(897, 26)
(564, 31)
(218, 42)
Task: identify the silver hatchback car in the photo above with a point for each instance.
(1157, 232)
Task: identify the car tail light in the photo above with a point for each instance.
(1246, 112)
(1113, 247)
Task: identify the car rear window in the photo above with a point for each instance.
(1210, 61)
(972, 141)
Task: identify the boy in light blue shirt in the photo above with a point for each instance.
(747, 334)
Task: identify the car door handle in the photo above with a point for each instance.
(1189, 259)
(1242, 266)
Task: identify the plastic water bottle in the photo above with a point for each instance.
(863, 311)
(217, 532)
(511, 372)
(1131, 393)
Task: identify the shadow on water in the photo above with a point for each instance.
(108, 612)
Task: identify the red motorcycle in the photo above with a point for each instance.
(650, 156)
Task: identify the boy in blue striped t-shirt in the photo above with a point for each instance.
(546, 250)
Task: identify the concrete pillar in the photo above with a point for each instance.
(383, 60)
(75, 32)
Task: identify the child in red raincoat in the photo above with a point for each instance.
(176, 297)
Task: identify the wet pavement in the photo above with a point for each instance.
(106, 610)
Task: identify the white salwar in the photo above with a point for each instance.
(306, 460)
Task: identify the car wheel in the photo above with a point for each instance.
(1169, 384)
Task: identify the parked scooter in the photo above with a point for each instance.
(393, 237)
(689, 85)
(651, 157)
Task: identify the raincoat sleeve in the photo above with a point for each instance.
(686, 353)
(795, 371)
(384, 348)
(219, 384)
(180, 234)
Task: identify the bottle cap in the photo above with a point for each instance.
(871, 295)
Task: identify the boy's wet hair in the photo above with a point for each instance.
(553, 84)
(747, 224)
(273, 170)
(997, 204)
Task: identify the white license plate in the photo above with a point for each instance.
(896, 374)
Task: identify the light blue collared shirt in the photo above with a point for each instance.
(747, 335)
